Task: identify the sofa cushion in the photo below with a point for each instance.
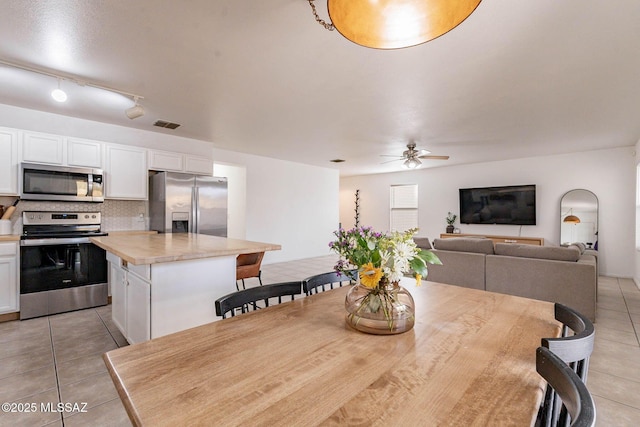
(557, 253)
(422, 242)
(581, 246)
(465, 244)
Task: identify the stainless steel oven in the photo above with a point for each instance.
(60, 269)
(60, 183)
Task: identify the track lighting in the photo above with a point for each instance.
(136, 111)
(58, 94)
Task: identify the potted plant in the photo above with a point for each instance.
(451, 219)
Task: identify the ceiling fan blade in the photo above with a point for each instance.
(429, 157)
(392, 160)
(392, 155)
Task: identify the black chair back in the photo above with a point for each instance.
(574, 348)
(321, 282)
(577, 406)
(247, 299)
(576, 345)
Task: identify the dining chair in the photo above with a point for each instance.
(247, 266)
(247, 299)
(574, 348)
(577, 406)
(319, 282)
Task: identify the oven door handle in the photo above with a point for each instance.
(54, 241)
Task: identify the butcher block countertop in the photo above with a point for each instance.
(139, 249)
(10, 238)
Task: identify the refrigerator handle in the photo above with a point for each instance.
(194, 210)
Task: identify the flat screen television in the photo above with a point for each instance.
(514, 205)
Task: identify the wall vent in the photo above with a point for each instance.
(165, 124)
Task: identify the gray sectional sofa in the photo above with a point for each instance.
(567, 275)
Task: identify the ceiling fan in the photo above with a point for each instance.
(412, 157)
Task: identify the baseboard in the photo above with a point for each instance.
(8, 317)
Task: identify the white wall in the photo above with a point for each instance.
(609, 174)
(636, 276)
(287, 203)
(237, 198)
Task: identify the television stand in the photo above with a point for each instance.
(538, 241)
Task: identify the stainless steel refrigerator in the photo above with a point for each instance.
(181, 203)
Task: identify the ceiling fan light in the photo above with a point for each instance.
(412, 163)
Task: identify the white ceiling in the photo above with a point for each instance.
(518, 78)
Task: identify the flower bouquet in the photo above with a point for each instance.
(378, 304)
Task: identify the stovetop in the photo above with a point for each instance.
(38, 225)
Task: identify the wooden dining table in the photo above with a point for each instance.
(468, 361)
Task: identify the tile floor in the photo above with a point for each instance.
(58, 358)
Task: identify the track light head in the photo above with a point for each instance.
(58, 94)
(135, 111)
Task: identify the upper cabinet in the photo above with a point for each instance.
(59, 150)
(43, 148)
(198, 165)
(8, 162)
(84, 152)
(126, 167)
(178, 162)
(125, 172)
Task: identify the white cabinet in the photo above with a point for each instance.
(198, 165)
(84, 152)
(59, 150)
(138, 309)
(126, 172)
(178, 162)
(166, 161)
(130, 300)
(8, 162)
(8, 277)
(43, 148)
(118, 285)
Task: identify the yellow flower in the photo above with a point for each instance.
(418, 279)
(370, 276)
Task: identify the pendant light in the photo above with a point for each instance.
(393, 24)
(571, 219)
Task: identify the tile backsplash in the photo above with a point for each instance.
(116, 214)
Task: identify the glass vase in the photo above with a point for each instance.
(387, 309)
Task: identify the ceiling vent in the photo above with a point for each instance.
(165, 124)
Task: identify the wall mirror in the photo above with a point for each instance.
(579, 218)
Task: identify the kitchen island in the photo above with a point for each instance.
(165, 283)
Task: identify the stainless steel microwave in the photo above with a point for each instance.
(61, 183)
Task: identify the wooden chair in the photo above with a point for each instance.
(314, 284)
(248, 265)
(574, 348)
(247, 299)
(577, 406)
